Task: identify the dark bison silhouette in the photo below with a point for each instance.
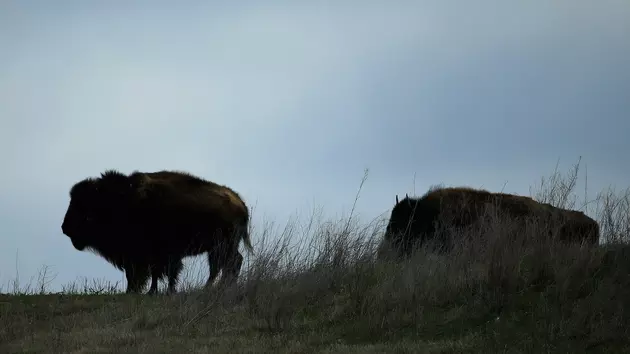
(415, 220)
(146, 223)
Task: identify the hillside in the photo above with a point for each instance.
(517, 294)
(435, 308)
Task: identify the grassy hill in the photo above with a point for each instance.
(327, 294)
(545, 302)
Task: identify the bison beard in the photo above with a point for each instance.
(146, 223)
(413, 221)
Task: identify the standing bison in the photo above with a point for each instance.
(416, 220)
(146, 223)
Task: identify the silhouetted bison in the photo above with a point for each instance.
(415, 220)
(146, 223)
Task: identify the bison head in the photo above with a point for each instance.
(79, 223)
(97, 207)
(400, 216)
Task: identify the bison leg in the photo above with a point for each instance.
(171, 268)
(175, 267)
(232, 268)
(156, 272)
(215, 266)
(137, 276)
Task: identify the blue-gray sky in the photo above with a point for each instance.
(288, 102)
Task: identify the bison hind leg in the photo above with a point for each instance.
(232, 268)
(157, 272)
(214, 265)
(174, 268)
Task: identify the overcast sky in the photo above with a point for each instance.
(289, 102)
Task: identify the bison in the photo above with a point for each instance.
(415, 220)
(146, 223)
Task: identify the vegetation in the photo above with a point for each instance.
(325, 293)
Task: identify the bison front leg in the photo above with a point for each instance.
(170, 267)
(137, 276)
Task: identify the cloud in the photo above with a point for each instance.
(289, 102)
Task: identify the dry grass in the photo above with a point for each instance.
(319, 289)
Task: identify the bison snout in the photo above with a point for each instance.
(66, 228)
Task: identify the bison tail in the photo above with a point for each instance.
(244, 235)
(247, 242)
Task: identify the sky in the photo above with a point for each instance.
(289, 102)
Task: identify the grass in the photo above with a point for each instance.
(325, 293)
